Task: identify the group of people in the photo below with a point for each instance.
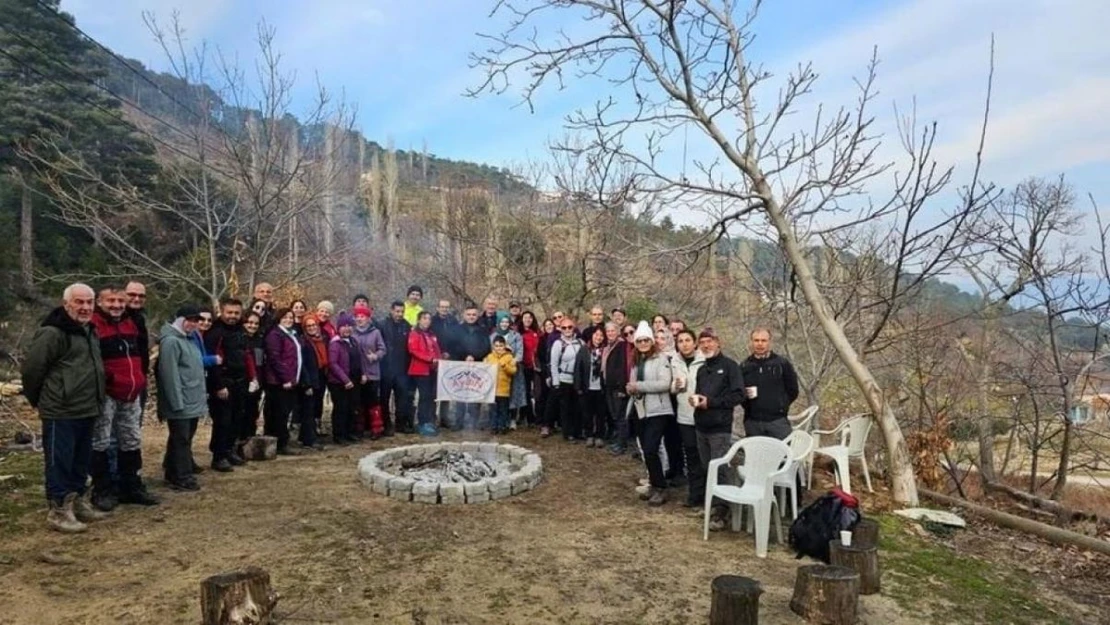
(608, 382)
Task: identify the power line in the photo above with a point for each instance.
(88, 100)
(92, 82)
(45, 8)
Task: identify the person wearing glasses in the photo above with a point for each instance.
(543, 371)
(564, 397)
(650, 390)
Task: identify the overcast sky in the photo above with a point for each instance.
(404, 64)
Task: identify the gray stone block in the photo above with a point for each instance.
(400, 483)
(473, 488)
(452, 491)
(425, 488)
(477, 497)
(400, 495)
(470, 447)
(452, 500)
(520, 483)
(500, 493)
(431, 499)
(450, 446)
(488, 449)
(380, 487)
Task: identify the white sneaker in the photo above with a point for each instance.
(643, 489)
(645, 481)
(512, 424)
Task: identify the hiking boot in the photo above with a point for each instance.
(60, 518)
(545, 432)
(617, 450)
(197, 469)
(104, 498)
(183, 486)
(137, 494)
(236, 460)
(84, 511)
(222, 465)
(657, 498)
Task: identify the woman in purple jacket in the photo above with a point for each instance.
(344, 375)
(372, 349)
(283, 372)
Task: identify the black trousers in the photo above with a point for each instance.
(672, 442)
(177, 464)
(526, 412)
(306, 433)
(280, 403)
(249, 426)
(695, 472)
(650, 431)
(426, 399)
(395, 386)
(617, 403)
(595, 414)
(564, 405)
(342, 411)
(228, 416)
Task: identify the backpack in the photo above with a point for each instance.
(822, 521)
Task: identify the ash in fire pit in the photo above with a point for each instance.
(451, 473)
(452, 466)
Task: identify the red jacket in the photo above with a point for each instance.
(531, 344)
(123, 360)
(423, 352)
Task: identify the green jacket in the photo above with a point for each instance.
(180, 371)
(63, 376)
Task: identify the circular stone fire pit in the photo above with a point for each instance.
(451, 472)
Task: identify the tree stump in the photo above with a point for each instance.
(261, 448)
(735, 601)
(827, 595)
(866, 533)
(237, 598)
(863, 559)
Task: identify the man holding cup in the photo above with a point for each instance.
(770, 386)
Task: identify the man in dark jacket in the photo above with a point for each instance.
(120, 415)
(444, 327)
(488, 320)
(395, 367)
(718, 390)
(227, 387)
(471, 344)
(771, 386)
(63, 378)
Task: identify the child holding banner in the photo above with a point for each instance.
(506, 369)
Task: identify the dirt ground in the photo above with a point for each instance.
(579, 549)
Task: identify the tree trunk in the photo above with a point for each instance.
(985, 423)
(735, 601)
(866, 533)
(899, 467)
(863, 559)
(826, 594)
(1065, 458)
(26, 237)
(238, 598)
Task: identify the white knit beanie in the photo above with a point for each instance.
(643, 331)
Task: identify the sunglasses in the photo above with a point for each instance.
(567, 328)
(137, 295)
(643, 340)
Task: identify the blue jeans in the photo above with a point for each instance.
(66, 450)
(466, 416)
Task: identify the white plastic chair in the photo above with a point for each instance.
(801, 455)
(765, 459)
(804, 419)
(853, 441)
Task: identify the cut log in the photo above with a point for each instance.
(735, 601)
(866, 533)
(1047, 532)
(826, 595)
(261, 448)
(237, 598)
(863, 559)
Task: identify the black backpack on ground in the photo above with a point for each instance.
(822, 521)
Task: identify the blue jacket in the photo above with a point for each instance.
(208, 360)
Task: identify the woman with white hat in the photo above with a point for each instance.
(650, 388)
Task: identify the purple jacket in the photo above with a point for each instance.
(370, 341)
(282, 351)
(339, 361)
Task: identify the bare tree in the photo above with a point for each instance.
(241, 189)
(685, 64)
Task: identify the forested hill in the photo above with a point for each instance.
(163, 95)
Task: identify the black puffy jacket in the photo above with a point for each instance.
(777, 383)
(722, 383)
